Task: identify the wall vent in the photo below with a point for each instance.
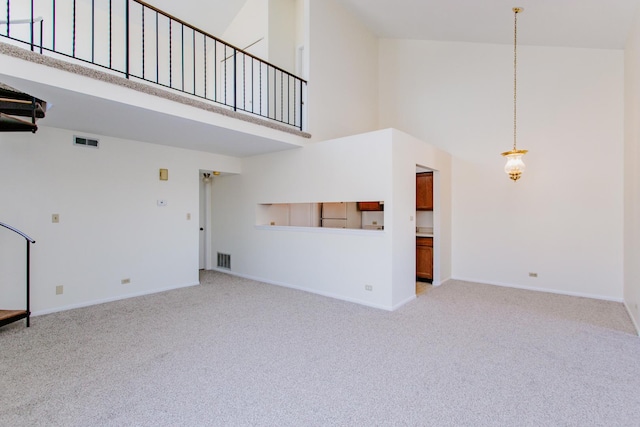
(85, 141)
(224, 261)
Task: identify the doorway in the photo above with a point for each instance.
(204, 219)
(426, 204)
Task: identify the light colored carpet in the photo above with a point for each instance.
(237, 352)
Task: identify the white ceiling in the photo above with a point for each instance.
(601, 24)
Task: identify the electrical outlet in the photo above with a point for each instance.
(125, 281)
(55, 218)
(273, 223)
(59, 289)
(533, 274)
(368, 287)
(375, 222)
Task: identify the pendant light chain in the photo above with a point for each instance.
(515, 78)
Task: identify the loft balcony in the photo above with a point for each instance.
(171, 75)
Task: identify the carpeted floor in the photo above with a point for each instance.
(236, 352)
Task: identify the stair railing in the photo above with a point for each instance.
(26, 315)
(141, 41)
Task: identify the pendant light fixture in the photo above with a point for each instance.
(515, 166)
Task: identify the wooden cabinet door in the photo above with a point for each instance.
(424, 191)
(424, 258)
(370, 206)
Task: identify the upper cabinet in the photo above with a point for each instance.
(424, 191)
(370, 206)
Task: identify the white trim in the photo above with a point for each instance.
(633, 320)
(441, 282)
(533, 288)
(110, 299)
(300, 288)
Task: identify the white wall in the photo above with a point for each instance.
(337, 263)
(249, 26)
(282, 34)
(110, 225)
(343, 72)
(563, 219)
(632, 175)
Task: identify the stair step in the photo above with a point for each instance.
(22, 108)
(13, 124)
(10, 316)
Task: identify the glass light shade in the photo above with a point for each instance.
(515, 166)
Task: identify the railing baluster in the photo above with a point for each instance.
(8, 18)
(281, 96)
(126, 36)
(157, 51)
(194, 62)
(215, 70)
(110, 33)
(205, 67)
(143, 59)
(235, 81)
(253, 102)
(31, 26)
(170, 53)
(93, 31)
(260, 88)
(53, 26)
(182, 52)
(73, 49)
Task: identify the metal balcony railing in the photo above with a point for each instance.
(140, 41)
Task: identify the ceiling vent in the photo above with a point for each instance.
(85, 141)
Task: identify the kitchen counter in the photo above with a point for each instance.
(424, 234)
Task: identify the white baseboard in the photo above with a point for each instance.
(313, 291)
(441, 281)
(110, 299)
(401, 303)
(633, 319)
(533, 288)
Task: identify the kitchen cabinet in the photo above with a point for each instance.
(424, 258)
(424, 191)
(370, 206)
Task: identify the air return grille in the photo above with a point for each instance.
(85, 142)
(224, 261)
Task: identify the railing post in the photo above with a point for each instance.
(235, 81)
(126, 37)
(301, 105)
(28, 280)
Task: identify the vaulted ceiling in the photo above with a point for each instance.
(600, 24)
